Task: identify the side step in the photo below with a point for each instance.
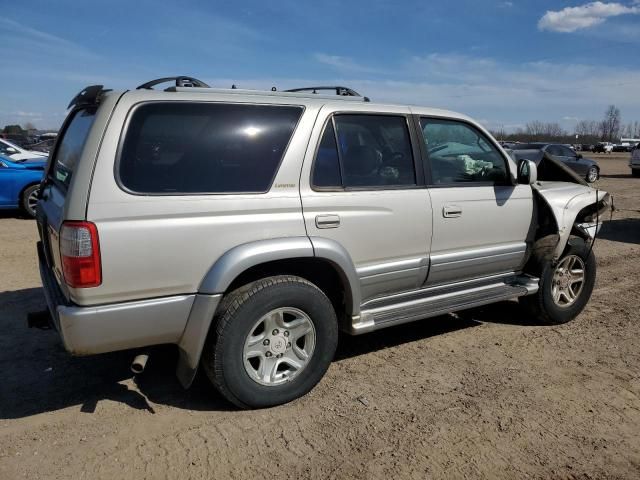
(434, 303)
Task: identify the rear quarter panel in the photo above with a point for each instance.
(153, 246)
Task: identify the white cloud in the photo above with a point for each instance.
(503, 94)
(21, 38)
(571, 19)
(344, 64)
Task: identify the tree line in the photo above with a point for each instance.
(609, 129)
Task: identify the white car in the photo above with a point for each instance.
(14, 152)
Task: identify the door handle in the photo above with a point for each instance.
(451, 211)
(327, 221)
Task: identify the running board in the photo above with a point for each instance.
(432, 304)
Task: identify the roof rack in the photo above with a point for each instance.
(190, 82)
(181, 81)
(342, 91)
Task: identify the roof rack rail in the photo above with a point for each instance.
(180, 81)
(88, 96)
(342, 91)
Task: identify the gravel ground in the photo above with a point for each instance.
(483, 394)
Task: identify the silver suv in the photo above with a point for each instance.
(248, 227)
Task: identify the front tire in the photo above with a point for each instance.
(592, 174)
(29, 200)
(273, 341)
(635, 172)
(565, 288)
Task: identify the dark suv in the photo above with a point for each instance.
(584, 166)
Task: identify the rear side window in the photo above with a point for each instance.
(173, 148)
(71, 144)
(364, 151)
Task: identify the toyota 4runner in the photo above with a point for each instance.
(248, 227)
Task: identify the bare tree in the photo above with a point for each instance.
(611, 124)
(29, 126)
(535, 128)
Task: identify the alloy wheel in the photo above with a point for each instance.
(568, 280)
(279, 346)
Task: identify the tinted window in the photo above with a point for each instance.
(458, 153)
(70, 146)
(566, 151)
(373, 151)
(554, 150)
(205, 147)
(326, 168)
(527, 146)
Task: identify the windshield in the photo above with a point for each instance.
(10, 144)
(71, 144)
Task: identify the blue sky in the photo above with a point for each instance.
(502, 62)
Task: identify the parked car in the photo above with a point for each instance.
(43, 146)
(15, 152)
(586, 167)
(247, 227)
(603, 147)
(586, 147)
(634, 161)
(20, 183)
(622, 147)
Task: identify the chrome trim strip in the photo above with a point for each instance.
(390, 267)
(481, 253)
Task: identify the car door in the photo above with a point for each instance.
(570, 158)
(481, 219)
(8, 195)
(362, 188)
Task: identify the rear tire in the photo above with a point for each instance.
(29, 200)
(254, 354)
(561, 296)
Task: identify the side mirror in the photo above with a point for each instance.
(527, 172)
(11, 150)
(579, 156)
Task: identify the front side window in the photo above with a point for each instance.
(365, 151)
(175, 148)
(459, 153)
(566, 151)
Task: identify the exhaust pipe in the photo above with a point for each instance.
(138, 364)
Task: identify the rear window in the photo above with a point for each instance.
(174, 148)
(71, 144)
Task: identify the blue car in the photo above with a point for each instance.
(20, 182)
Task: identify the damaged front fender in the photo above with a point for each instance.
(566, 201)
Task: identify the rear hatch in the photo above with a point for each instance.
(55, 193)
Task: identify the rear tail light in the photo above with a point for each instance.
(80, 252)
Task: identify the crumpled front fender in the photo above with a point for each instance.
(566, 200)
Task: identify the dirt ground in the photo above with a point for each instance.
(480, 395)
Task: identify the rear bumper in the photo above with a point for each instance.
(119, 326)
